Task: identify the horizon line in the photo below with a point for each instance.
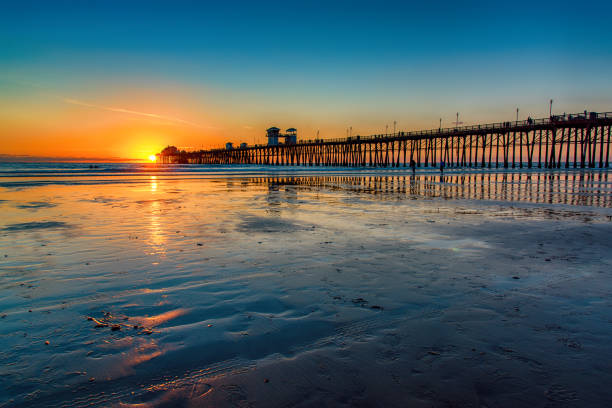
(26, 158)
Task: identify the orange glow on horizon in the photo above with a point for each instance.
(135, 123)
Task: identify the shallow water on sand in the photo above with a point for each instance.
(305, 288)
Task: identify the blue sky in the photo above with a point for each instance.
(313, 65)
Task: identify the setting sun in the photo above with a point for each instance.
(152, 157)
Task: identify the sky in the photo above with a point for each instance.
(123, 79)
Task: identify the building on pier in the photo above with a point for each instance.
(273, 134)
(229, 146)
(290, 136)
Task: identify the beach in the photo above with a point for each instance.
(249, 286)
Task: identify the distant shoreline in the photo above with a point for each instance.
(8, 158)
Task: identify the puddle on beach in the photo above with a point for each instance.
(299, 289)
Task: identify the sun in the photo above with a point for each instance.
(152, 158)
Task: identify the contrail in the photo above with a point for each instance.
(129, 111)
(73, 101)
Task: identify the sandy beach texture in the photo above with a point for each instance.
(306, 289)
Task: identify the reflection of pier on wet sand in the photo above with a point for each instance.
(588, 188)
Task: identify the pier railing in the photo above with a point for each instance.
(554, 120)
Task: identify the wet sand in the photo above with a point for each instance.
(302, 289)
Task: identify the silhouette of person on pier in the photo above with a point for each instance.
(413, 166)
(441, 166)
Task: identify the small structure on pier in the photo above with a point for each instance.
(169, 151)
(243, 145)
(229, 146)
(273, 134)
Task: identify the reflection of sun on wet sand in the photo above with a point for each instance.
(373, 289)
(154, 321)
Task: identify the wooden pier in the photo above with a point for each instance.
(562, 141)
